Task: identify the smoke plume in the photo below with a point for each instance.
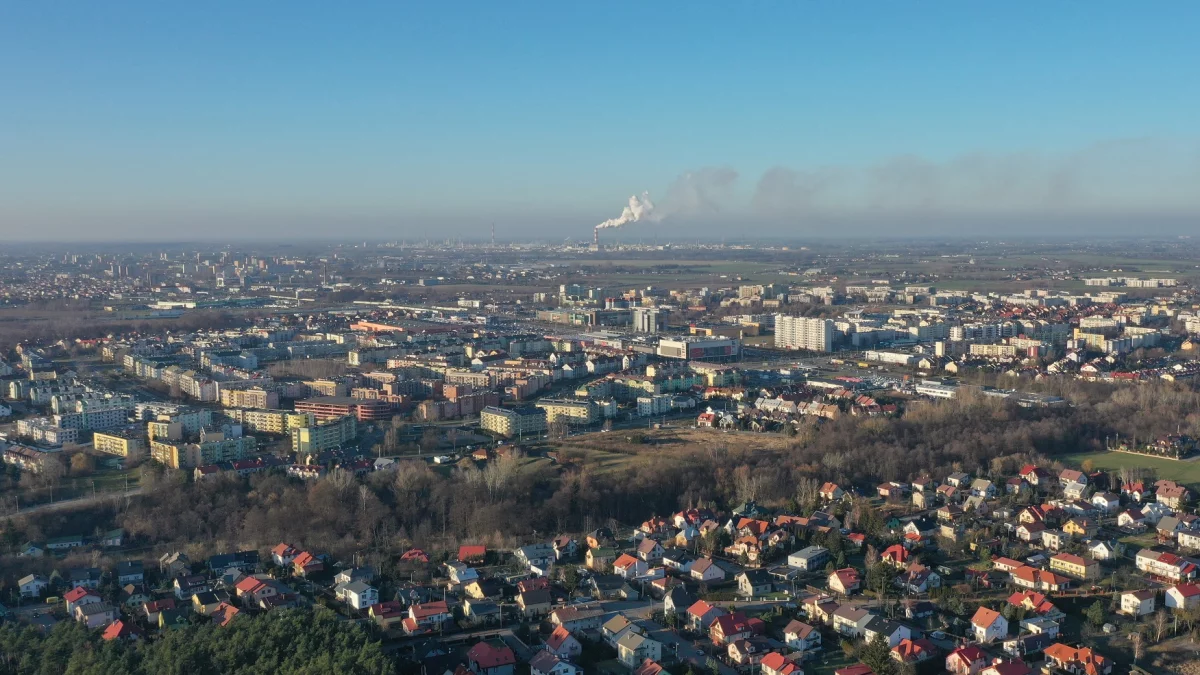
(640, 208)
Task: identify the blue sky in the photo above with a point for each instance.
(399, 120)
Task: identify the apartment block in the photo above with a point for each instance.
(797, 332)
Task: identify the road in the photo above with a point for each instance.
(77, 502)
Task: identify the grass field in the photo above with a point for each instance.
(1185, 472)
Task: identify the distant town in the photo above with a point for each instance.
(479, 415)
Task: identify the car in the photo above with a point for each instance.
(938, 635)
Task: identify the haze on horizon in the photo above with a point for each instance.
(220, 121)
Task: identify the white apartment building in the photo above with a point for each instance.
(797, 332)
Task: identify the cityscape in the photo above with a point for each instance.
(542, 339)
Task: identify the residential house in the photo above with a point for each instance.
(1137, 603)
(152, 608)
(831, 492)
(754, 583)
(121, 630)
(1067, 476)
(79, 596)
(1035, 603)
(534, 604)
(958, 479)
(252, 590)
(800, 636)
(173, 564)
(677, 600)
(306, 563)
(895, 555)
(205, 603)
(1106, 550)
(1075, 566)
(1081, 527)
(88, 577)
(133, 595)
(536, 556)
(982, 487)
(616, 628)
(130, 572)
(851, 621)
(706, 571)
(918, 579)
(426, 617)
(729, 627)
(472, 554)
(1107, 502)
(1188, 539)
(359, 594)
(1165, 565)
(95, 615)
(775, 663)
(577, 619)
(892, 631)
(1081, 661)
(911, 651)
(747, 654)
(1132, 519)
(1039, 580)
(565, 547)
(283, 555)
(966, 660)
(1076, 490)
(1015, 667)
(387, 614)
(628, 567)
(1172, 495)
(845, 581)
(187, 586)
(988, 625)
(633, 649)
(600, 559)
(487, 658)
(562, 644)
(1182, 596)
(481, 611)
(1055, 540)
(650, 551)
(547, 663)
(701, 615)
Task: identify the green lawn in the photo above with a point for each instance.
(1186, 472)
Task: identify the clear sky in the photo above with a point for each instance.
(189, 120)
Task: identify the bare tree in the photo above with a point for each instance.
(1160, 625)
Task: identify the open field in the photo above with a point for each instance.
(620, 449)
(1186, 472)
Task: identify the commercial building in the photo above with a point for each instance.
(797, 332)
(123, 443)
(647, 319)
(698, 348)
(333, 407)
(510, 422)
(327, 435)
